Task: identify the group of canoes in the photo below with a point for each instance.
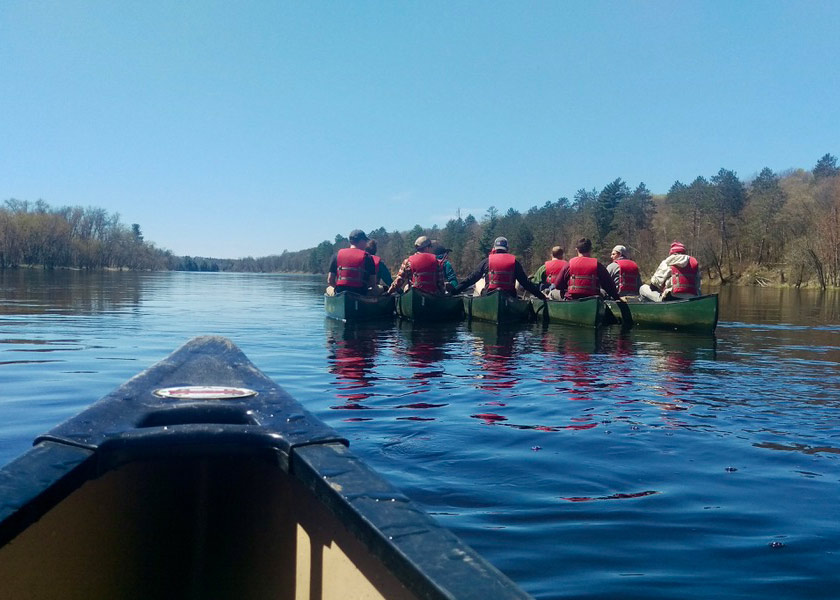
(580, 291)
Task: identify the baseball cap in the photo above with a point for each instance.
(422, 242)
(357, 235)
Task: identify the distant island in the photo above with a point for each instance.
(777, 228)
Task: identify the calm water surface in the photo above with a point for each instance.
(582, 464)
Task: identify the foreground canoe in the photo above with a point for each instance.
(496, 307)
(420, 306)
(201, 478)
(348, 306)
(693, 314)
(587, 312)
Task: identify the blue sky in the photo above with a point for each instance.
(231, 129)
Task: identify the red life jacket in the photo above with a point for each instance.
(376, 260)
(686, 280)
(351, 268)
(424, 268)
(629, 279)
(501, 272)
(553, 268)
(583, 277)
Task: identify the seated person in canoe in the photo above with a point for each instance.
(380, 272)
(351, 269)
(442, 254)
(549, 271)
(420, 270)
(677, 277)
(500, 272)
(624, 272)
(583, 277)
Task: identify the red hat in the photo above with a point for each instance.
(677, 248)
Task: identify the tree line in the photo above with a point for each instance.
(34, 234)
(773, 228)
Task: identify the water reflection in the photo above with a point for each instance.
(34, 291)
(573, 364)
(810, 307)
(425, 346)
(498, 354)
(351, 353)
(423, 350)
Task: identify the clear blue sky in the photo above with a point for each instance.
(231, 129)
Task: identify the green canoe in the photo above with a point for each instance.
(348, 306)
(420, 306)
(588, 312)
(497, 308)
(692, 314)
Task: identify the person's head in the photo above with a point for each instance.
(357, 236)
(440, 250)
(371, 247)
(677, 248)
(584, 246)
(500, 244)
(618, 252)
(557, 252)
(422, 244)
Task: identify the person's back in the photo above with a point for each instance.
(424, 272)
(583, 277)
(553, 267)
(420, 270)
(380, 269)
(500, 272)
(625, 272)
(677, 277)
(351, 269)
(442, 253)
(685, 277)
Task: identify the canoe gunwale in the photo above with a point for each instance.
(676, 314)
(504, 308)
(582, 312)
(285, 436)
(449, 308)
(372, 307)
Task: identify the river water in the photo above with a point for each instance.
(583, 464)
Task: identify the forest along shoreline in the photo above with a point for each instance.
(771, 229)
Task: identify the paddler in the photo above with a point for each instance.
(501, 271)
(420, 270)
(351, 269)
(676, 277)
(549, 271)
(624, 272)
(380, 272)
(442, 254)
(584, 276)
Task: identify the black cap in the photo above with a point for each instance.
(357, 235)
(441, 249)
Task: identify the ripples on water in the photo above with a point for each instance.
(583, 464)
